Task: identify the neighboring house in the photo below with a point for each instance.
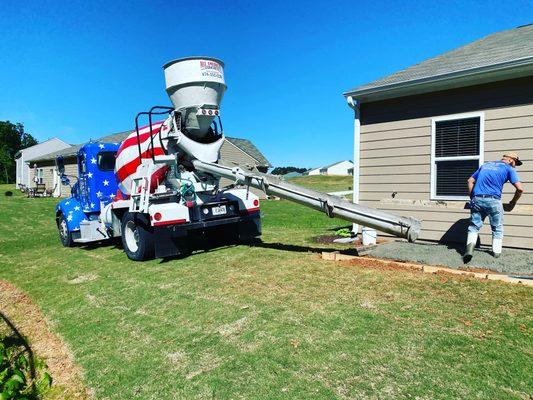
(344, 167)
(24, 157)
(421, 132)
(339, 168)
(240, 151)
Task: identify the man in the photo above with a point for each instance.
(485, 189)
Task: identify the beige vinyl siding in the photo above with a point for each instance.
(232, 154)
(71, 169)
(396, 156)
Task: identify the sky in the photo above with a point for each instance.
(83, 69)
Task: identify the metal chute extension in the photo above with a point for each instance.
(332, 206)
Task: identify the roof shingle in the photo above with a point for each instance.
(491, 51)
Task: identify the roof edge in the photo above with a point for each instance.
(510, 69)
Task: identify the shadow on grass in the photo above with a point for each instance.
(17, 340)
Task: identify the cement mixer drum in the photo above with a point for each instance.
(195, 82)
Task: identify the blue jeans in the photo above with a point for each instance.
(481, 208)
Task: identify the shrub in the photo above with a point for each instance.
(21, 375)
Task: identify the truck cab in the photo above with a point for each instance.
(94, 187)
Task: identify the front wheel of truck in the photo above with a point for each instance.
(137, 237)
(64, 234)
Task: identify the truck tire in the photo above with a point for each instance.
(137, 237)
(64, 234)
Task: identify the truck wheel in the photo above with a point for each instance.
(137, 237)
(64, 234)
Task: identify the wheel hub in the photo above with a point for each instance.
(132, 236)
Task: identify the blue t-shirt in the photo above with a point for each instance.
(491, 177)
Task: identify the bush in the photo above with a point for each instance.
(21, 376)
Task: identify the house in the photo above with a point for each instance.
(24, 157)
(339, 168)
(422, 131)
(344, 168)
(240, 151)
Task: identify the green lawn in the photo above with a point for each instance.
(324, 183)
(272, 321)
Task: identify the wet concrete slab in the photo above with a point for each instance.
(511, 262)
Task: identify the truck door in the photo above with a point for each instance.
(82, 174)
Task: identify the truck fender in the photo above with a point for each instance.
(72, 210)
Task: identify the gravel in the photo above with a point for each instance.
(512, 261)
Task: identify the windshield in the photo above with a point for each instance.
(106, 161)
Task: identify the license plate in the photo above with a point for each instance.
(221, 210)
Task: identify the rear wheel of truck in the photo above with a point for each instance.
(137, 237)
(64, 234)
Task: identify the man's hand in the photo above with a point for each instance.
(509, 206)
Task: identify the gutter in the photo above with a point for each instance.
(510, 69)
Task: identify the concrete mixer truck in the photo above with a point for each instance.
(160, 189)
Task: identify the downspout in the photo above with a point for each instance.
(368, 235)
(354, 105)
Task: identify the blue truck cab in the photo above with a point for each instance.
(95, 186)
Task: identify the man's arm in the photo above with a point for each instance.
(471, 184)
(518, 192)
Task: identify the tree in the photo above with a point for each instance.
(286, 170)
(12, 139)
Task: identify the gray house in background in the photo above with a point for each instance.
(24, 157)
(421, 132)
(235, 150)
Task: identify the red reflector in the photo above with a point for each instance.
(256, 203)
(157, 216)
(189, 204)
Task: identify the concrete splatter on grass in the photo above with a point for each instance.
(83, 279)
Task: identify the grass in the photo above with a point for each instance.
(272, 321)
(324, 183)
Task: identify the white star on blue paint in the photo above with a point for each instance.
(99, 194)
(101, 146)
(69, 218)
(106, 182)
(89, 174)
(92, 205)
(112, 196)
(77, 208)
(67, 203)
(93, 160)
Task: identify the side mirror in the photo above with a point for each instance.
(60, 165)
(65, 181)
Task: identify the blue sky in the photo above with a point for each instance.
(80, 70)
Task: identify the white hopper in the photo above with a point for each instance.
(195, 82)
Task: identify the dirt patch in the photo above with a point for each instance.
(28, 319)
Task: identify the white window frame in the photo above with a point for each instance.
(480, 157)
(40, 175)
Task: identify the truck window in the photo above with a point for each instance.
(106, 161)
(81, 160)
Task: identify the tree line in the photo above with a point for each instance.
(12, 139)
(286, 170)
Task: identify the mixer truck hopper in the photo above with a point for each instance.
(159, 190)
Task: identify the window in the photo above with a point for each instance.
(106, 160)
(456, 153)
(39, 176)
